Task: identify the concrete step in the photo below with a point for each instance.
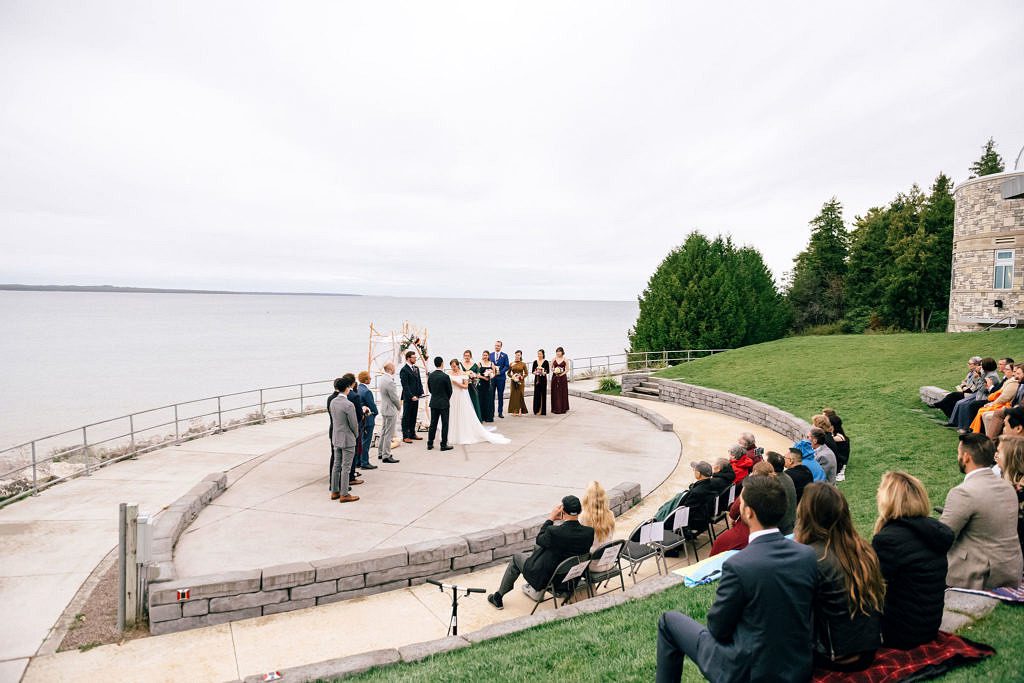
(637, 394)
(650, 385)
(647, 390)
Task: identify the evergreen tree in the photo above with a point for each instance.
(816, 287)
(708, 294)
(869, 255)
(989, 163)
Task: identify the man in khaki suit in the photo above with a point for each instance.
(982, 512)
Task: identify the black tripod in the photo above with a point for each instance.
(453, 627)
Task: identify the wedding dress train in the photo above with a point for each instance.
(464, 427)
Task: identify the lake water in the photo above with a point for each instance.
(71, 358)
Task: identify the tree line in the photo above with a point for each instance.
(890, 271)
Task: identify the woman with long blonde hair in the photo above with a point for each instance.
(851, 594)
(597, 514)
(911, 549)
(1010, 456)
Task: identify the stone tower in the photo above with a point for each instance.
(987, 286)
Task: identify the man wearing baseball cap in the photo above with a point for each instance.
(699, 497)
(555, 543)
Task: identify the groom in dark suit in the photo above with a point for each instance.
(412, 392)
(765, 591)
(440, 386)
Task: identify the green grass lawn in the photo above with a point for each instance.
(872, 381)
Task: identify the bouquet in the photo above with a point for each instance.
(517, 378)
(488, 373)
(559, 371)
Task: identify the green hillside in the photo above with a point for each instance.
(872, 381)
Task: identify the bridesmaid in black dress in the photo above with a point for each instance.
(485, 387)
(560, 383)
(541, 368)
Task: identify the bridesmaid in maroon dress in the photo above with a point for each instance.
(540, 370)
(559, 383)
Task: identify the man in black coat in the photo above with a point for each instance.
(555, 544)
(798, 471)
(765, 591)
(412, 392)
(440, 385)
(699, 497)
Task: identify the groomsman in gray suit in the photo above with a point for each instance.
(390, 403)
(345, 428)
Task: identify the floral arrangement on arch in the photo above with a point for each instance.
(413, 343)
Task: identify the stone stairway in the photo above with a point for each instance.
(646, 390)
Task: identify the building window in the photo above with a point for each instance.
(1004, 270)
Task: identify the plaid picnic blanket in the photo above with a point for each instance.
(926, 661)
(1008, 595)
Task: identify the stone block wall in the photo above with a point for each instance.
(173, 521)
(983, 223)
(219, 598)
(740, 407)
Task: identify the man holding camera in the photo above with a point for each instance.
(555, 543)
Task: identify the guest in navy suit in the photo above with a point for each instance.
(366, 396)
(500, 359)
(759, 628)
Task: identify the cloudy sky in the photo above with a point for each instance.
(534, 150)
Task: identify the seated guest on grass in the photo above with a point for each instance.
(798, 472)
(823, 455)
(836, 442)
(740, 461)
(1013, 422)
(1010, 456)
(911, 549)
(737, 536)
(982, 512)
(555, 543)
(749, 443)
(998, 399)
(842, 440)
(967, 407)
(597, 514)
(970, 385)
(778, 465)
(850, 594)
(993, 420)
(759, 627)
(699, 497)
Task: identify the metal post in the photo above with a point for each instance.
(177, 435)
(131, 427)
(35, 483)
(263, 417)
(85, 450)
(220, 419)
(302, 405)
(131, 565)
(607, 365)
(122, 523)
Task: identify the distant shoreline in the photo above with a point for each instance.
(149, 290)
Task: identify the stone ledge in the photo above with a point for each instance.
(335, 668)
(418, 651)
(932, 395)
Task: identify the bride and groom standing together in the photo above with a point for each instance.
(451, 405)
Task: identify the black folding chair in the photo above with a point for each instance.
(680, 524)
(636, 553)
(721, 510)
(605, 566)
(661, 539)
(566, 576)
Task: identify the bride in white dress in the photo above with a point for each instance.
(464, 426)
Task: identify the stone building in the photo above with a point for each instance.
(987, 285)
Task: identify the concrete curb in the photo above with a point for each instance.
(356, 664)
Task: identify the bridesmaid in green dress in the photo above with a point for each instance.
(472, 369)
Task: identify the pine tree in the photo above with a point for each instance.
(989, 163)
(869, 256)
(708, 294)
(817, 284)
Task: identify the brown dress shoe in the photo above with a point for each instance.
(355, 482)
(335, 496)
(348, 499)
(406, 440)
(417, 438)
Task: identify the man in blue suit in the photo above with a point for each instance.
(366, 396)
(500, 360)
(759, 628)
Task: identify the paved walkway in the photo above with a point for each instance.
(428, 495)
(235, 650)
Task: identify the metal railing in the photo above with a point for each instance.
(618, 363)
(1010, 321)
(105, 442)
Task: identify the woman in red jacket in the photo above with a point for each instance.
(740, 461)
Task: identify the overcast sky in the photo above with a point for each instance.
(534, 150)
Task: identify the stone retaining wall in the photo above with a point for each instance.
(654, 417)
(173, 521)
(219, 598)
(740, 407)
